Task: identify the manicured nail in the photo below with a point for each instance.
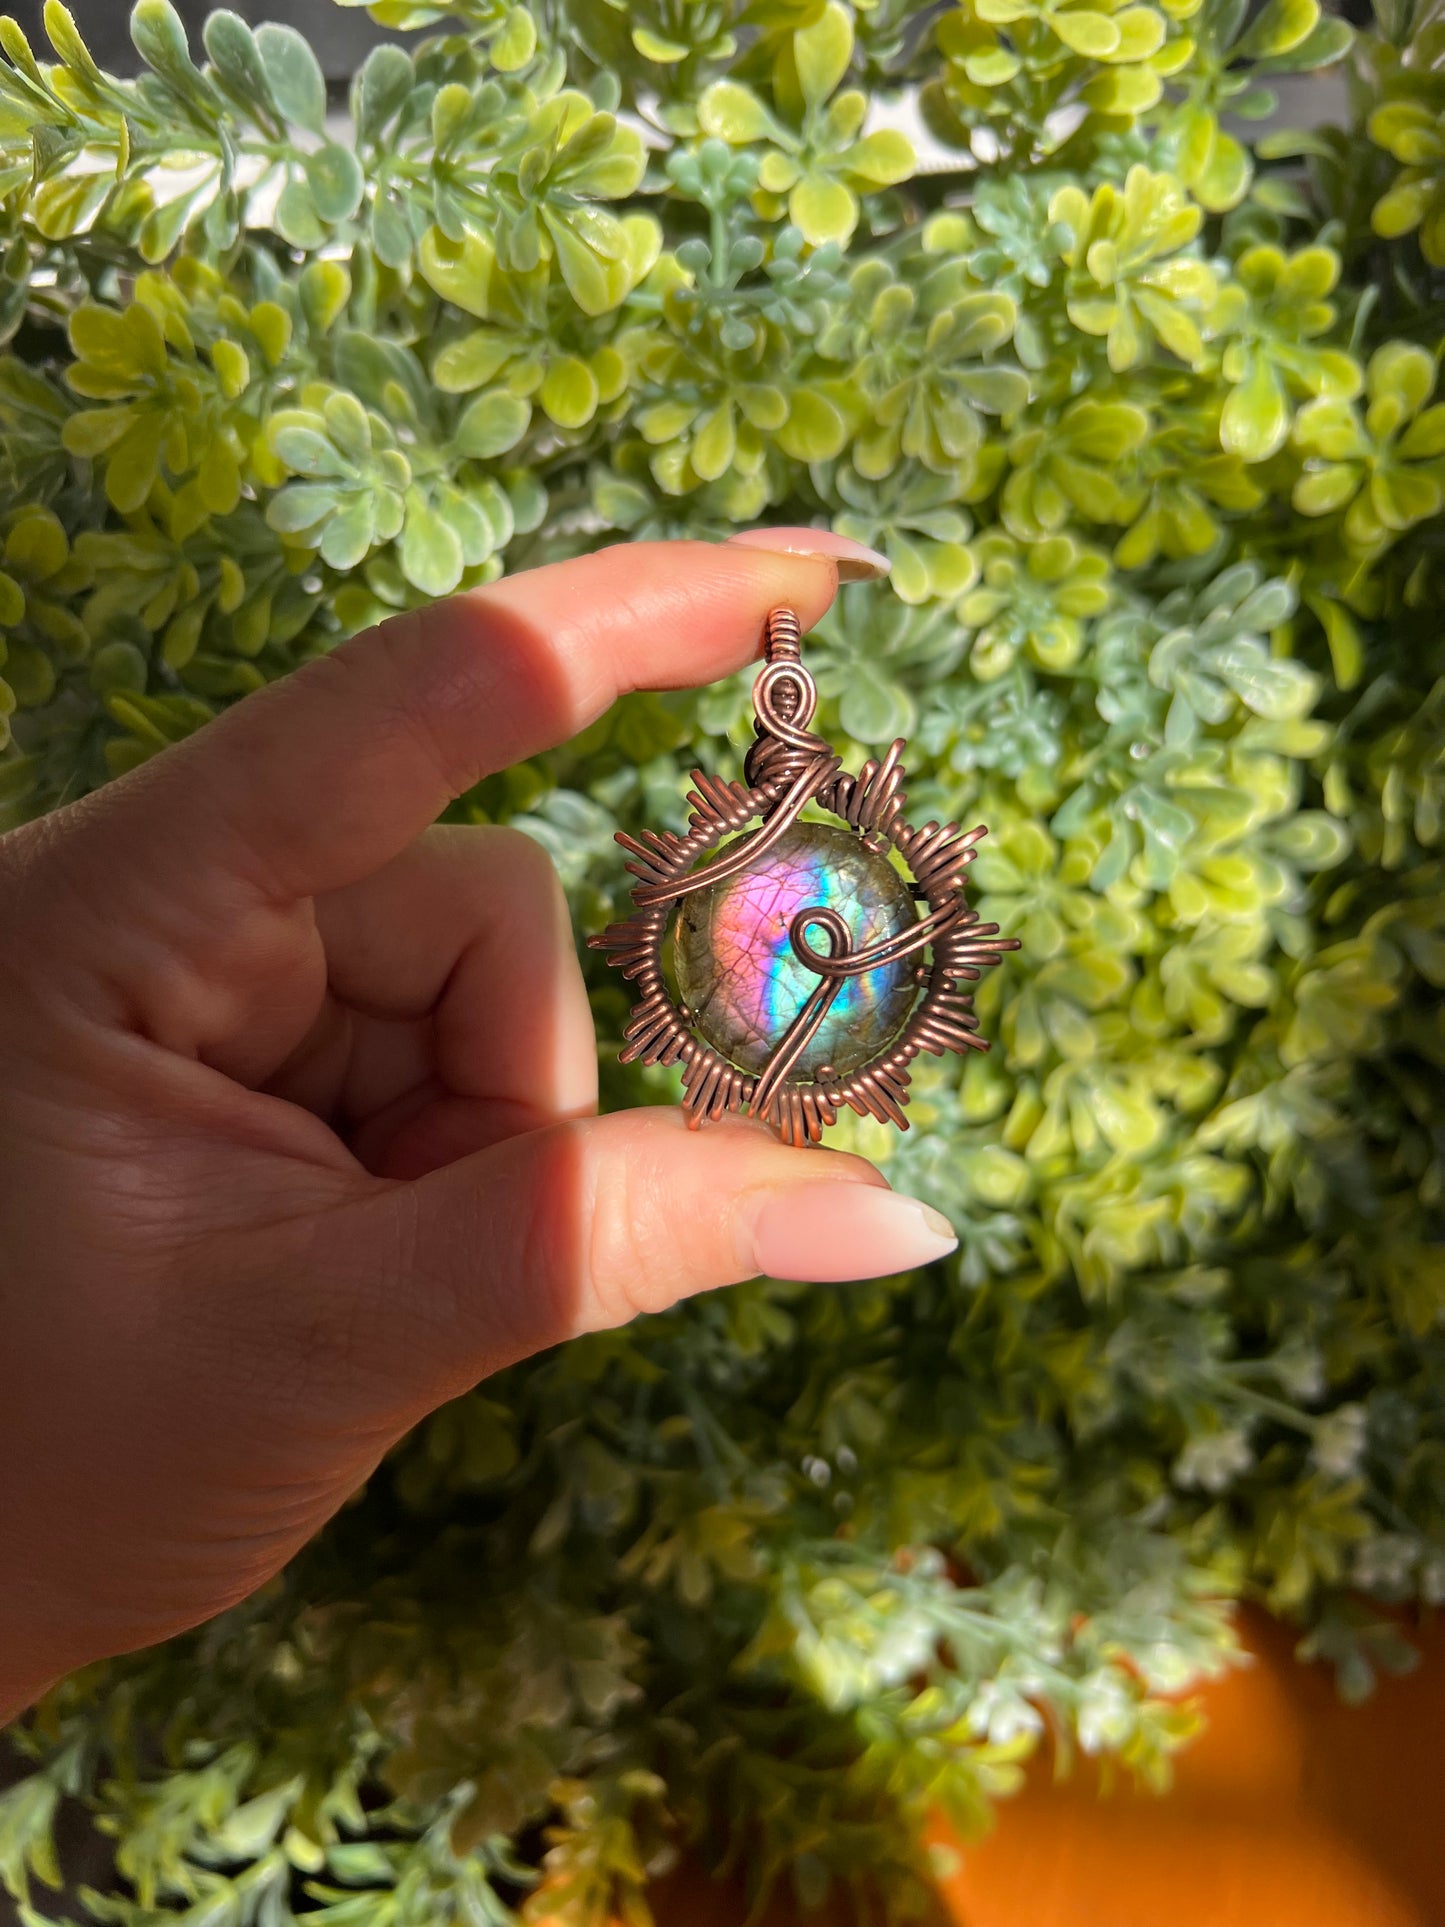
(854, 562)
(831, 1232)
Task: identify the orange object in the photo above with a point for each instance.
(1290, 1810)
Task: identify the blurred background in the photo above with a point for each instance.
(340, 35)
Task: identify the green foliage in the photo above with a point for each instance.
(1408, 122)
(1146, 415)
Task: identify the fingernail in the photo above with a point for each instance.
(832, 1232)
(854, 562)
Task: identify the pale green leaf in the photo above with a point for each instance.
(294, 75)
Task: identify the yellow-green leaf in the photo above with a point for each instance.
(233, 368)
(823, 208)
(822, 52)
(1085, 32)
(733, 113)
(494, 423)
(516, 43)
(652, 46)
(569, 392)
(1280, 26)
(814, 431)
(1255, 420)
(459, 271)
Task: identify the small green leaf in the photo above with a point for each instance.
(514, 46)
(349, 536)
(1322, 490)
(348, 425)
(1224, 179)
(159, 37)
(1346, 645)
(36, 546)
(569, 392)
(95, 430)
(64, 37)
(1330, 41)
(734, 113)
(1312, 839)
(1271, 686)
(67, 204)
(325, 289)
(1401, 497)
(296, 218)
(391, 233)
(306, 452)
(823, 208)
(1402, 209)
(237, 59)
(294, 74)
(336, 181)
(1255, 420)
(882, 159)
(1084, 32)
(380, 90)
(814, 431)
(494, 423)
(431, 553)
(119, 666)
(1280, 26)
(233, 368)
(459, 271)
(450, 113)
(822, 52)
(301, 506)
(999, 391)
(135, 463)
(1141, 33)
(162, 229)
(472, 362)
(218, 477)
(596, 282)
(873, 708)
(1424, 439)
(994, 67)
(652, 46)
(1402, 371)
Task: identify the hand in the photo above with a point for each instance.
(297, 1094)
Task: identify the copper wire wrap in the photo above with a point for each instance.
(788, 767)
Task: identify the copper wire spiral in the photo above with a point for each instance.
(788, 766)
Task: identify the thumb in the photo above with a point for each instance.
(589, 1223)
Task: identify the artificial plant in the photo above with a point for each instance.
(1141, 402)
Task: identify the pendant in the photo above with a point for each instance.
(807, 973)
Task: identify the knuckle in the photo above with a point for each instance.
(487, 862)
(632, 1242)
(525, 860)
(407, 687)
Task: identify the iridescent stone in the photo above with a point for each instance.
(740, 978)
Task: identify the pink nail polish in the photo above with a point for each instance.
(831, 1232)
(855, 562)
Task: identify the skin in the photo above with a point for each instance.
(297, 1099)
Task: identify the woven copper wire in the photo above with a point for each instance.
(787, 767)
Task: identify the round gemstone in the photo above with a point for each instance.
(744, 984)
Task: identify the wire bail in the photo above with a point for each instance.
(785, 698)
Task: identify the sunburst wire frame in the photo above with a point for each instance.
(788, 767)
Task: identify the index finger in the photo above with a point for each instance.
(322, 778)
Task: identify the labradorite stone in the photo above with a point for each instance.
(737, 971)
